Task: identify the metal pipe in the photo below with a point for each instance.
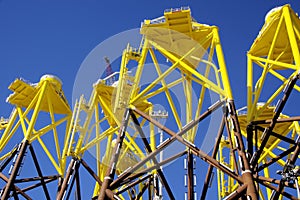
(288, 195)
(70, 172)
(39, 171)
(190, 176)
(193, 148)
(133, 184)
(273, 160)
(237, 193)
(94, 175)
(280, 120)
(15, 170)
(214, 154)
(166, 142)
(35, 186)
(78, 190)
(272, 180)
(54, 177)
(110, 173)
(281, 137)
(272, 124)
(290, 162)
(6, 162)
(244, 164)
(120, 181)
(149, 150)
(22, 192)
(142, 191)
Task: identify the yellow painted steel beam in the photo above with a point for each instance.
(167, 92)
(222, 65)
(182, 65)
(291, 34)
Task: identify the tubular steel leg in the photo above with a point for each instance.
(70, 171)
(150, 188)
(250, 139)
(214, 154)
(128, 178)
(134, 184)
(190, 176)
(142, 191)
(149, 150)
(94, 175)
(15, 170)
(78, 190)
(20, 191)
(237, 193)
(70, 189)
(75, 178)
(278, 110)
(15, 194)
(244, 164)
(6, 162)
(116, 153)
(39, 171)
(197, 152)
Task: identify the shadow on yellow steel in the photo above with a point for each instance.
(108, 96)
(272, 41)
(282, 128)
(178, 33)
(30, 100)
(24, 94)
(275, 50)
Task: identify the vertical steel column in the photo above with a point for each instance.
(197, 152)
(149, 150)
(7, 161)
(70, 171)
(39, 171)
(214, 154)
(190, 176)
(279, 107)
(250, 139)
(15, 170)
(116, 153)
(247, 175)
(78, 190)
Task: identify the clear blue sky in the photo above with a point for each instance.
(40, 37)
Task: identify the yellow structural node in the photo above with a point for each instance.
(30, 101)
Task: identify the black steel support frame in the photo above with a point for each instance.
(248, 168)
(10, 189)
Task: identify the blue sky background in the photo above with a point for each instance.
(40, 37)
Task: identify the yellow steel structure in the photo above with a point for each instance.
(40, 109)
(194, 56)
(183, 63)
(275, 55)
